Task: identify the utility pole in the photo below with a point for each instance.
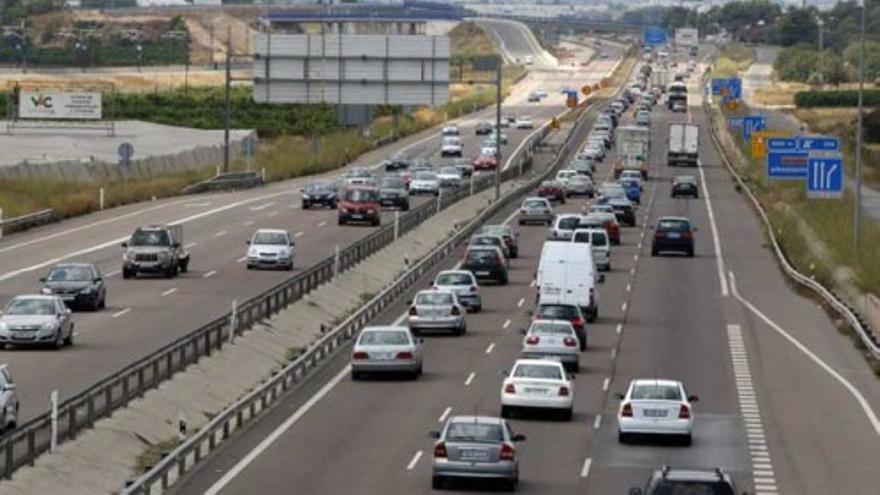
(497, 129)
(857, 214)
(821, 24)
(226, 109)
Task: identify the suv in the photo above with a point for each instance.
(676, 480)
(360, 204)
(8, 400)
(486, 263)
(451, 146)
(155, 249)
(673, 234)
(393, 193)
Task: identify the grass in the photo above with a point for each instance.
(153, 454)
(779, 93)
(468, 39)
(733, 59)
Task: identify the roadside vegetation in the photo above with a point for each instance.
(733, 59)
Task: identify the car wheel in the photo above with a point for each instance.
(289, 267)
(104, 301)
(341, 221)
(419, 371)
(696, 196)
(505, 280)
(59, 341)
(576, 367)
(69, 340)
(567, 414)
(184, 265)
(355, 375)
(690, 253)
(478, 308)
(305, 206)
(405, 207)
(437, 482)
(654, 252)
(622, 437)
(126, 274)
(96, 304)
(505, 412)
(521, 222)
(687, 440)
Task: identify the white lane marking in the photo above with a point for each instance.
(112, 273)
(629, 287)
(322, 223)
(248, 223)
(506, 324)
(272, 214)
(520, 303)
(169, 291)
(624, 306)
(859, 398)
(198, 205)
(120, 313)
(300, 233)
(585, 471)
(444, 415)
(276, 434)
(598, 422)
(490, 348)
(636, 257)
(190, 245)
(605, 384)
(210, 274)
(400, 319)
(220, 234)
(716, 240)
(241, 260)
(533, 283)
(613, 354)
(632, 272)
(414, 461)
(262, 206)
(619, 328)
(470, 379)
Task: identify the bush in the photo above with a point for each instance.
(871, 125)
(844, 98)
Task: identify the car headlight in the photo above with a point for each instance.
(125, 256)
(86, 290)
(45, 290)
(50, 325)
(252, 252)
(305, 196)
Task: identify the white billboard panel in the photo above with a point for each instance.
(68, 105)
(687, 37)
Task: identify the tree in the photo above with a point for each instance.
(871, 125)
(796, 64)
(798, 26)
(872, 57)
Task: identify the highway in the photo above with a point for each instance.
(787, 404)
(145, 314)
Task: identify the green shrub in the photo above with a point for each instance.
(872, 126)
(843, 98)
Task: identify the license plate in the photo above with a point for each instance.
(674, 235)
(382, 356)
(474, 455)
(535, 391)
(654, 413)
(482, 273)
(357, 216)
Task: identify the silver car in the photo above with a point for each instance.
(555, 339)
(386, 350)
(465, 286)
(490, 240)
(536, 210)
(8, 400)
(36, 320)
(580, 185)
(437, 310)
(564, 226)
(475, 447)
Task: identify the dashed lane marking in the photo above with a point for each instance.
(490, 348)
(169, 291)
(414, 461)
(210, 274)
(585, 470)
(470, 379)
(120, 313)
(444, 415)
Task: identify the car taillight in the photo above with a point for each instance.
(563, 391)
(659, 234)
(358, 356)
(577, 322)
(509, 389)
(440, 450)
(507, 452)
(456, 311)
(684, 412)
(569, 342)
(413, 311)
(627, 411)
(473, 288)
(532, 339)
(687, 235)
(404, 355)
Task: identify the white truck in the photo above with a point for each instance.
(684, 144)
(633, 149)
(660, 78)
(567, 274)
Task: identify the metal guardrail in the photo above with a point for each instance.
(226, 182)
(867, 336)
(30, 220)
(220, 428)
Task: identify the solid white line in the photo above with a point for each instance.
(112, 273)
(629, 287)
(220, 234)
(606, 384)
(262, 207)
(241, 260)
(272, 214)
(489, 349)
(470, 379)
(619, 328)
(269, 440)
(521, 302)
(120, 313)
(444, 415)
(415, 459)
(859, 398)
(598, 422)
(506, 324)
(210, 274)
(613, 354)
(169, 291)
(585, 471)
(632, 271)
(190, 245)
(248, 223)
(719, 259)
(624, 306)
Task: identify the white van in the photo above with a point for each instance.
(599, 243)
(567, 274)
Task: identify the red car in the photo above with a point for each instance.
(360, 204)
(552, 190)
(485, 162)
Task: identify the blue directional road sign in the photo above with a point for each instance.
(825, 177)
(818, 143)
(753, 123)
(782, 165)
(735, 122)
(778, 144)
(655, 36)
(728, 88)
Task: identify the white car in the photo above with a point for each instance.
(8, 400)
(488, 151)
(270, 248)
(537, 384)
(465, 286)
(541, 92)
(565, 175)
(450, 130)
(386, 350)
(563, 226)
(656, 407)
(449, 177)
(451, 146)
(491, 138)
(524, 122)
(425, 183)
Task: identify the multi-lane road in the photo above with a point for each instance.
(145, 314)
(787, 404)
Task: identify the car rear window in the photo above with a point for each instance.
(568, 223)
(546, 371)
(534, 203)
(551, 329)
(476, 255)
(692, 488)
(454, 279)
(672, 225)
(431, 298)
(651, 391)
(556, 312)
(466, 431)
(384, 337)
(485, 241)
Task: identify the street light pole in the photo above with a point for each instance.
(226, 109)
(821, 51)
(857, 214)
(140, 50)
(498, 129)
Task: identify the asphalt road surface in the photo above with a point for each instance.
(787, 404)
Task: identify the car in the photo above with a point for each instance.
(464, 166)
(323, 193)
(568, 312)
(36, 320)
(565, 175)
(643, 118)
(506, 232)
(436, 310)
(489, 149)
(486, 263)
(9, 404)
(155, 249)
(633, 190)
(393, 192)
(485, 162)
(583, 165)
(580, 185)
(655, 407)
(524, 122)
(490, 240)
(668, 480)
(563, 226)
(610, 115)
(406, 176)
(449, 177)
(552, 190)
(425, 183)
(604, 55)
(536, 210)
(541, 92)
(465, 286)
(609, 221)
(366, 182)
(475, 448)
(599, 242)
(386, 350)
(593, 152)
(483, 128)
(685, 185)
(451, 146)
(395, 162)
(491, 138)
(673, 234)
(450, 130)
(534, 97)
(421, 165)
(635, 175)
(79, 285)
(270, 248)
(617, 106)
(359, 204)
(679, 106)
(554, 339)
(610, 190)
(537, 384)
(624, 211)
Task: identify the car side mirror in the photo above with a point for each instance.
(519, 437)
(695, 229)
(43, 279)
(530, 312)
(524, 330)
(503, 372)
(68, 311)
(602, 279)
(291, 243)
(572, 376)
(9, 386)
(420, 340)
(619, 396)
(434, 434)
(176, 245)
(409, 302)
(124, 244)
(97, 280)
(693, 398)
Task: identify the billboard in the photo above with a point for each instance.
(56, 104)
(685, 37)
(352, 69)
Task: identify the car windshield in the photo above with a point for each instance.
(679, 487)
(393, 183)
(481, 255)
(70, 273)
(568, 223)
(677, 225)
(434, 299)
(655, 391)
(546, 371)
(485, 240)
(361, 195)
(454, 279)
(545, 328)
(31, 307)
(534, 203)
(319, 187)
(150, 238)
(685, 178)
(426, 176)
(384, 337)
(467, 431)
(270, 238)
(556, 312)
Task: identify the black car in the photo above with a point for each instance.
(483, 128)
(396, 162)
(486, 263)
(685, 185)
(507, 233)
(393, 193)
(322, 193)
(624, 211)
(673, 234)
(669, 480)
(79, 285)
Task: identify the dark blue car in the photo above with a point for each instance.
(633, 191)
